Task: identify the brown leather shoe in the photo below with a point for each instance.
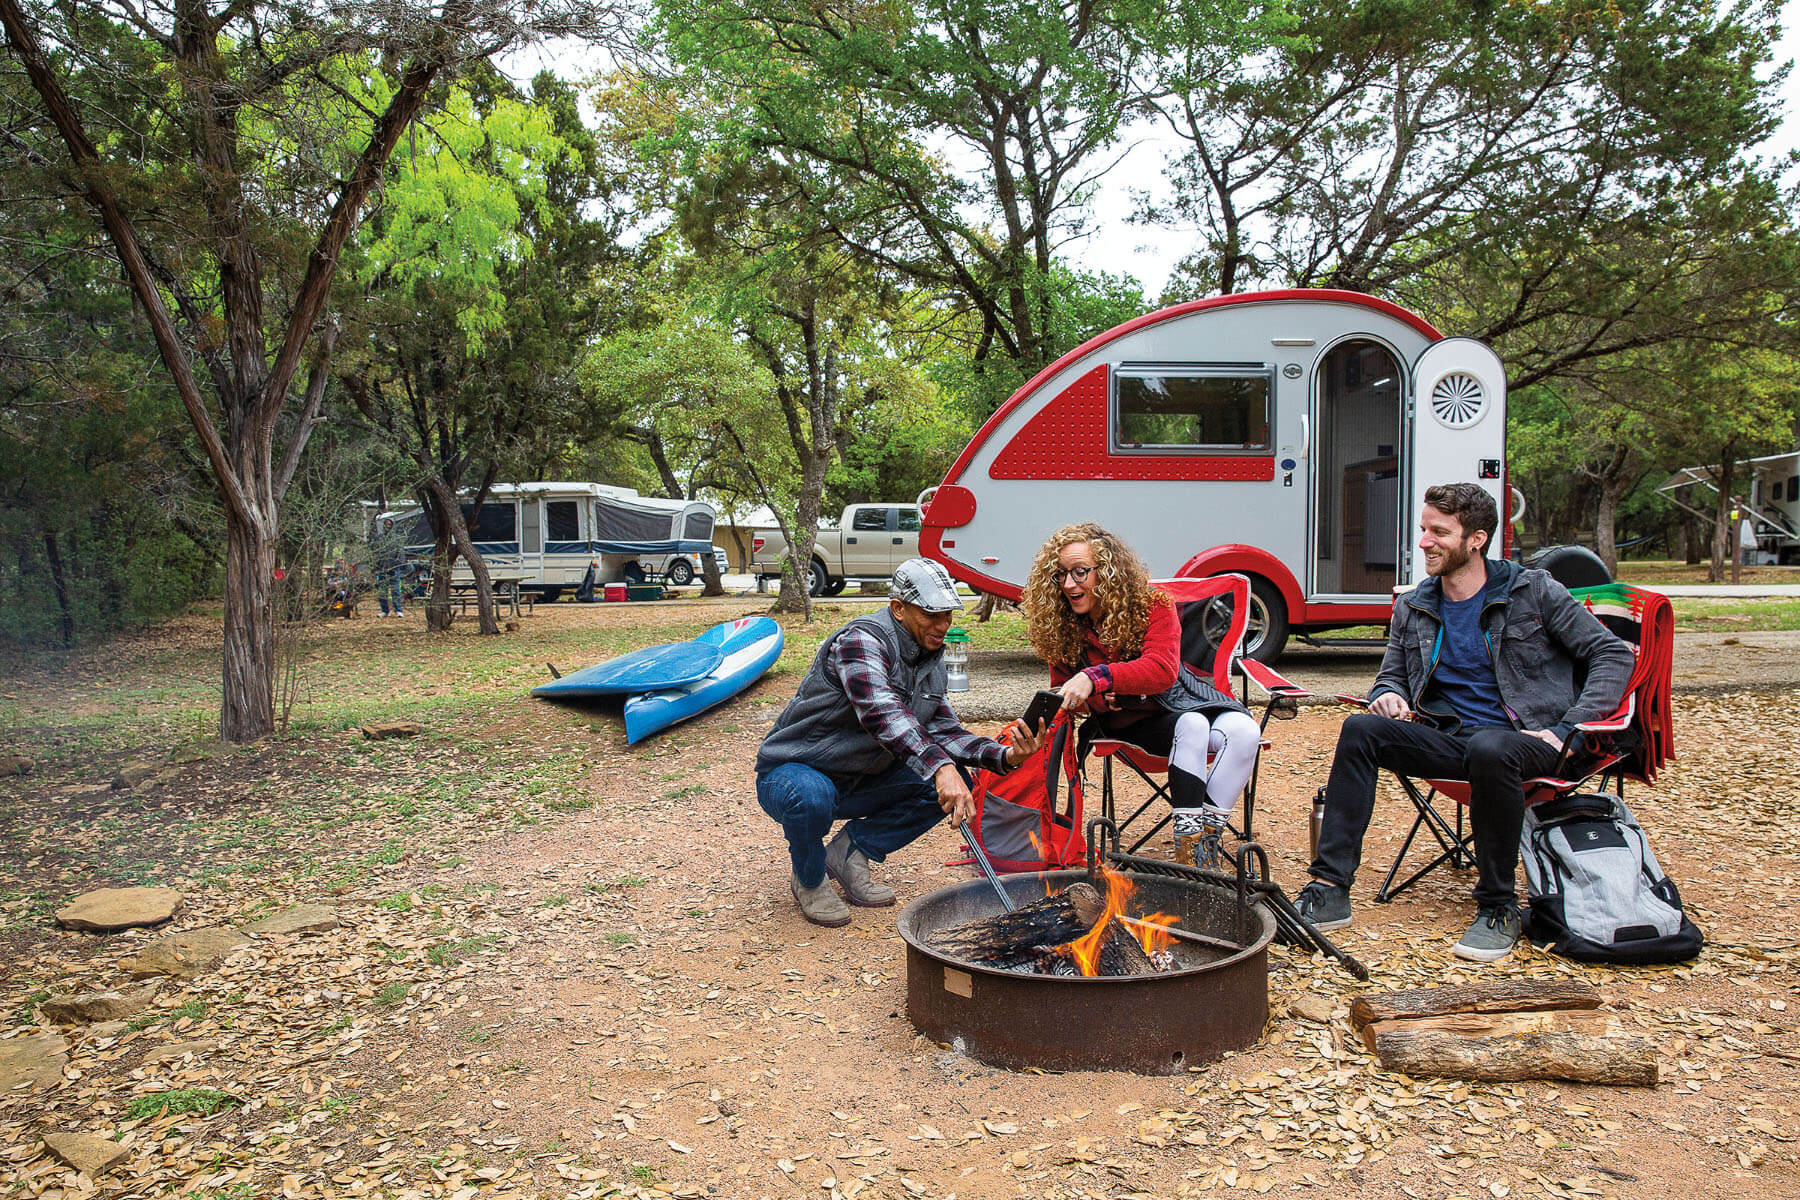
(820, 905)
(846, 864)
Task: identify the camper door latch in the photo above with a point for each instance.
(1490, 468)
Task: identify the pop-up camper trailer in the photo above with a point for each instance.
(1287, 435)
(550, 533)
(1771, 502)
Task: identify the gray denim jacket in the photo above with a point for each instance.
(1540, 641)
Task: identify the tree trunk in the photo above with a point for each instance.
(59, 584)
(1722, 530)
(1606, 515)
(711, 584)
(458, 530)
(247, 711)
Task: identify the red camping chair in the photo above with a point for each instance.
(1634, 741)
(1214, 613)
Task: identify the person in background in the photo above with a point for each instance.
(1113, 646)
(1489, 666)
(389, 557)
(868, 739)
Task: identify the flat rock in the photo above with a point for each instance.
(185, 954)
(15, 764)
(1316, 1009)
(36, 1059)
(86, 1153)
(298, 918)
(111, 909)
(179, 1050)
(381, 730)
(136, 774)
(86, 1007)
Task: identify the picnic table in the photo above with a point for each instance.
(507, 591)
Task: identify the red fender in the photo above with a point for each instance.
(1251, 560)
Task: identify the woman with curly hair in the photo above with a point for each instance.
(1113, 646)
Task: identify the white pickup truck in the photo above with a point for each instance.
(869, 541)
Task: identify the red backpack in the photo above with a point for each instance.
(1016, 822)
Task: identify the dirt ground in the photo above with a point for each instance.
(571, 968)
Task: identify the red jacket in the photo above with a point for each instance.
(1152, 672)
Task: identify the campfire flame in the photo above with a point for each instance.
(1152, 932)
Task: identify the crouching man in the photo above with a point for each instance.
(869, 740)
(1496, 664)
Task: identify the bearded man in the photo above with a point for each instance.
(1494, 665)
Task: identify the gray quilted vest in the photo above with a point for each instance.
(819, 725)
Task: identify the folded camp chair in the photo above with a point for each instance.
(1214, 613)
(1634, 741)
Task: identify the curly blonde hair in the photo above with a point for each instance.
(1123, 590)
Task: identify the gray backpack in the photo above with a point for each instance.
(1597, 893)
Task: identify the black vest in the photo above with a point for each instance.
(819, 725)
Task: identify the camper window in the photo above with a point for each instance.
(564, 519)
(1196, 409)
(494, 523)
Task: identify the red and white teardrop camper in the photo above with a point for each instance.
(1288, 435)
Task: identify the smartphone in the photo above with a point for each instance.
(1042, 708)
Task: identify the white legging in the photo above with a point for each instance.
(1232, 738)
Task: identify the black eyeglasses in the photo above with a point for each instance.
(1078, 574)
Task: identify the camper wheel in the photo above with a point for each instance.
(1266, 634)
(681, 572)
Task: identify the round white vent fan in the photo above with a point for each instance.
(1458, 400)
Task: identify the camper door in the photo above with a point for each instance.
(1459, 429)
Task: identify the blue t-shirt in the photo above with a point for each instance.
(1465, 674)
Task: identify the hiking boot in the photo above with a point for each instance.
(1324, 905)
(1492, 936)
(820, 905)
(1200, 839)
(846, 864)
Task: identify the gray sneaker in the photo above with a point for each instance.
(1324, 905)
(820, 905)
(1492, 936)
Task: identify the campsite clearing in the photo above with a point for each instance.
(565, 967)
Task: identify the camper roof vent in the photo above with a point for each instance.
(1458, 400)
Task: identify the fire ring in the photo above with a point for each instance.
(1213, 1001)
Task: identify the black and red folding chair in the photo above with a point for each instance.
(1213, 612)
(1634, 741)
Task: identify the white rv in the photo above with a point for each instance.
(548, 534)
(1287, 435)
(1770, 504)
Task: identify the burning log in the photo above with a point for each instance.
(1118, 951)
(1014, 940)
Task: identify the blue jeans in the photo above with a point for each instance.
(885, 811)
(389, 590)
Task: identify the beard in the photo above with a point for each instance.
(1453, 560)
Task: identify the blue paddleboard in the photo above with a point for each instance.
(748, 646)
(669, 665)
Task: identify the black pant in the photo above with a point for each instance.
(1494, 761)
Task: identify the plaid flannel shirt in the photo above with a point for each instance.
(859, 659)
